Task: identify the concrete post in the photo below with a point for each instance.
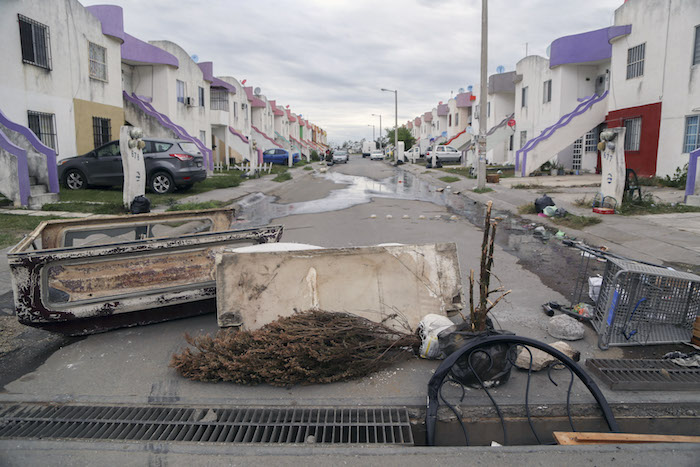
(134, 167)
(481, 173)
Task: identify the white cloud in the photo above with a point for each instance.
(328, 59)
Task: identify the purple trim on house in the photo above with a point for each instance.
(443, 110)
(590, 46)
(22, 167)
(145, 98)
(266, 137)
(165, 121)
(618, 31)
(240, 135)
(112, 19)
(549, 131)
(417, 121)
(463, 99)
(219, 83)
(692, 173)
(50, 154)
(428, 116)
(502, 83)
(260, 156)
(254, 101)
(207, 70)
(502, 123)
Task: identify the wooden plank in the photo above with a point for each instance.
(577, 438)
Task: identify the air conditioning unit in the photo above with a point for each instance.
(189, 101)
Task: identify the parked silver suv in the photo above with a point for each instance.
(444, 154)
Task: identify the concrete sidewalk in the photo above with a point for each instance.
(657, 238)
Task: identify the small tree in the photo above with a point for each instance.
(404, 135)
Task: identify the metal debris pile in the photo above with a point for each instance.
(306, 348)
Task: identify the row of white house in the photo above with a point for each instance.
(72, 75)
(642, 73)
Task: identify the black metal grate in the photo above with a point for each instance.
(644, 375)
(371, 425)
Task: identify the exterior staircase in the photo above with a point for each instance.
(240, 144)
(28, 172)
(553, 139)
(157, 118)
(264, 141)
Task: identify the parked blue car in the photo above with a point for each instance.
(279, 156)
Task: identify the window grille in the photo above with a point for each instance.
(34, 42)
(696, 47)
(592, 141)
(635, 61)
(101, 131)
(218, 99)
(633, 133)
(43, 126)
(97, 61)
(201, 96)
(523, 97)
(691, 142)
(576, 159)
(457, 119)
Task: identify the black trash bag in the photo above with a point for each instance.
(140, 205)
(438, 164)
(542, 202)
(492, 365)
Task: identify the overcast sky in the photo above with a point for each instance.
(328, 59)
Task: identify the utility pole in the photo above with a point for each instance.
(380, 129)
(481, 171)
(396, 120)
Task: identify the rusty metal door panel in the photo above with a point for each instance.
(76, 283)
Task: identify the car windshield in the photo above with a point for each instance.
(190, 147)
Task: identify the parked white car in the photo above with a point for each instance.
(376, 156)
(339, 156)
(444, 154)
(412, 154)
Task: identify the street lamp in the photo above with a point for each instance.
(396, 121)
(380, 128)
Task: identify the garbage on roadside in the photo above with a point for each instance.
(583, 309)
(428, 329)
(565, 327)
(541, 359)
(305, 348)
(594, 284)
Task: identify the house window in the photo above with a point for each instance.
(218, 99)
(44, 127)
(633, 133)
(450, 120)
(592, 141)
(523, 97)
(201, 96)
(577, 153)
(510, 143)
(98, 61)
(696, 48)
(101, 131)
(180, 85)
(476, 112)
(203, 136)
(488, 109)
(456, 119)
(523, 138)
(547, 92)
(34, 41)
(635, 61)
(691, 142)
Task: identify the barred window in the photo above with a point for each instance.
(450, 120)
(696, 47)
(218, 99)
(547, 91)
(203, 136)
(691, 142)
(488, 109)
(101, 131)
(201, 96)
(635, 61)
(34, 41)
(592, 141)
(44, 127)
(98, 61)
(633, 134)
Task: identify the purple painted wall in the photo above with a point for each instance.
(112, 19)
(22, 169)
(590, 46)
(443, 110)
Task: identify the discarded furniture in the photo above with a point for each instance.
(632, 186)
(80, 276)
(580, 438)
(397, 285)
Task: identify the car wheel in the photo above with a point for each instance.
(74, 179)
(162, 182)
(459, 160)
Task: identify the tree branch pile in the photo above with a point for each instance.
(306, 348)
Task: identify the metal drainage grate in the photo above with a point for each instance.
(371, 425)
(644, 375)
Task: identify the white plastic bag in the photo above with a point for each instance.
(594, 284)
(429, 327)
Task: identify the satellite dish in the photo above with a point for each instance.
(460, 90)
(257, 91)
(500, 69)
(470, 87)
(195, 58)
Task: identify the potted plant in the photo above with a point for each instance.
(492, 365)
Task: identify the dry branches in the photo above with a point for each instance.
(305, 348)
(478, 314)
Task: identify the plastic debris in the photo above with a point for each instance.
(405, 216)
(560, 234)
(429, 327)
(583, 309)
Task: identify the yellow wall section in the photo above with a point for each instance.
(84, 111)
